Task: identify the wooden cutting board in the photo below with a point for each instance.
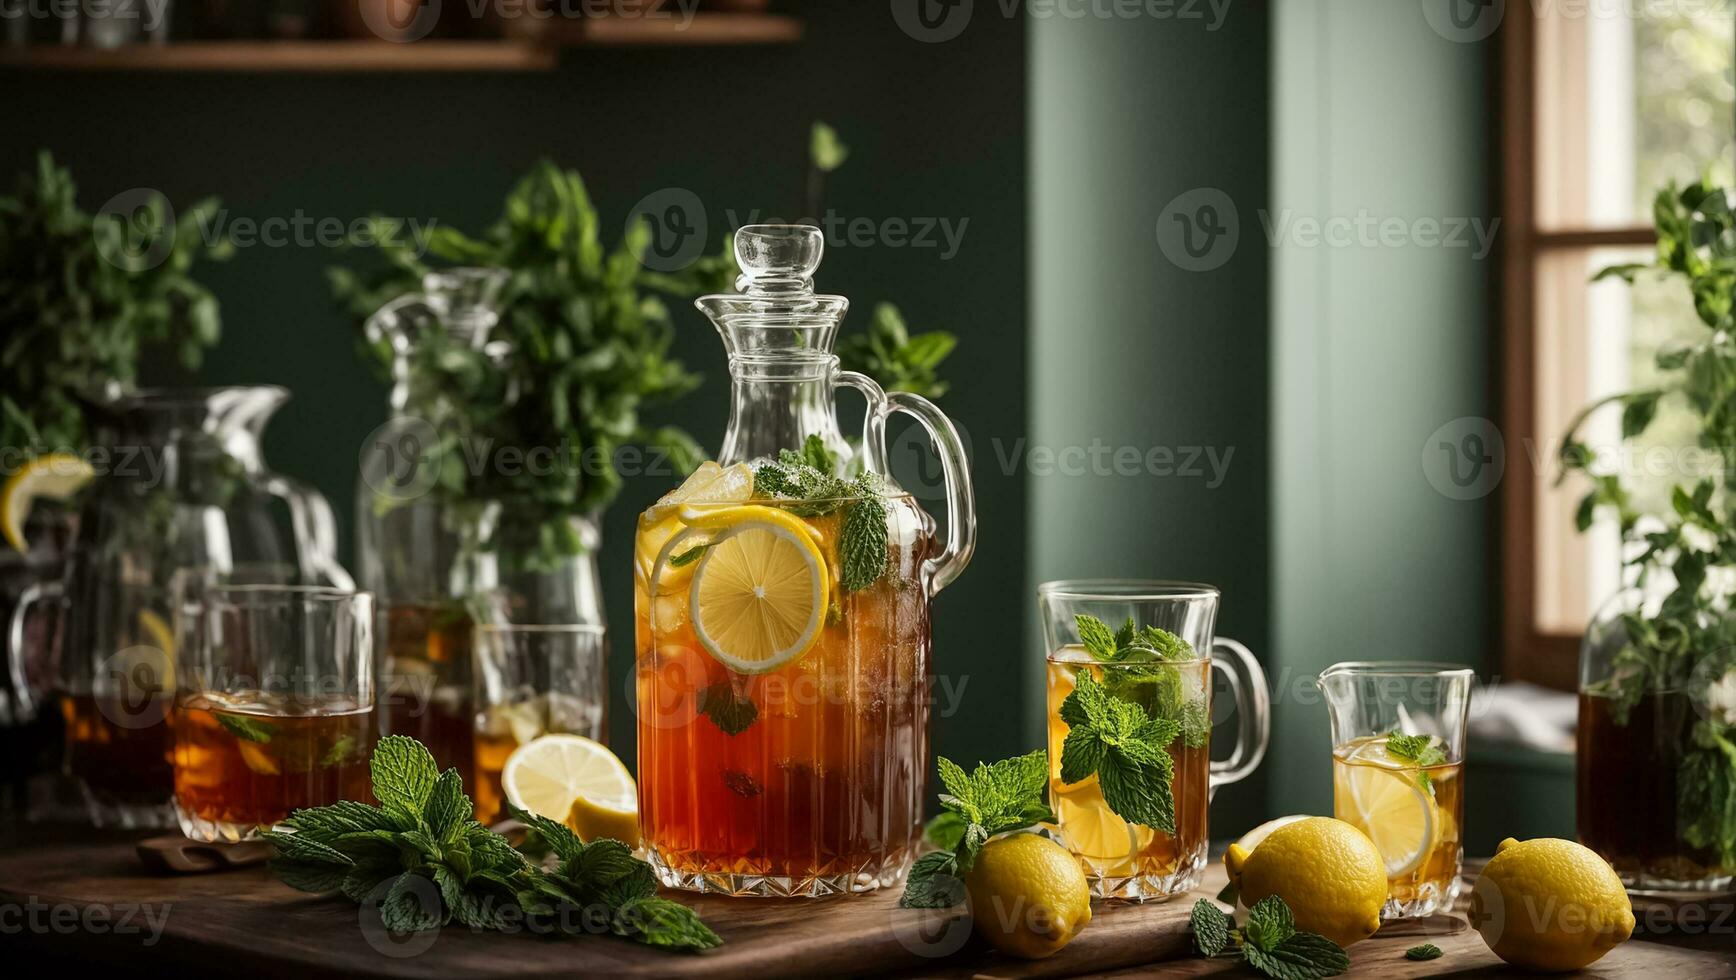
(97, 903)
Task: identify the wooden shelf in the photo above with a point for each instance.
(541, 53)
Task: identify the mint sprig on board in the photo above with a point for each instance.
(806, 484)
(1270, 943)
(1427, 951)
(994, 799)
(424, 861)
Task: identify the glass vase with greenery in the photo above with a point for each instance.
(1657, 719)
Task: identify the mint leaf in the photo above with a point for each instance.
(1420, 749)
(1211, 928)
(730, 711)
(448, 808)
(1127, 750)
(814, 454)
(1302, 956)
(404, 773)
(1099, 640)
(1162, 642)
(993, 799)
(412, 905)
(1269, 923)
(1427, 951)
(660, 922)
(862, 543)
(341, 751)
(245, 728)
(688, 557)
(1229, 895)
(933, 883)
(944, 831)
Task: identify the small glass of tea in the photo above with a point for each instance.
(533, 681)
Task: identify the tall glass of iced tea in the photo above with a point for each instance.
(1146, 650)
(273, 706)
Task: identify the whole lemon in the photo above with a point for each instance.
(1550, 905)
(1327, 871)
(1028, 896)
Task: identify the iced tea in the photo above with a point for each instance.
(118, 748)
(428, 681)
(1412, 806)
(245, 761)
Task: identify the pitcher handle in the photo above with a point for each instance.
(939, 571)
(312, 522)
(1247, 682)
(16, 666)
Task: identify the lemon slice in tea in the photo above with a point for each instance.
(1390, 806)
(55, 476)
(551, 775)
(759, 594)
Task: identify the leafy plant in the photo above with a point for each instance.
(423, 861)
(587, 337)
(994, 799)
(1689, 643)
(81, 295)
(1270, 943)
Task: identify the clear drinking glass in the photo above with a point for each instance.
(1124, 859)
(533, 681)
(1406, 793)
(274, 705)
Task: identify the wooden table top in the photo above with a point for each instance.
(93, 901)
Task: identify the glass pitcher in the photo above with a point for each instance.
(437, 565)
(782, 613)
(181, 491)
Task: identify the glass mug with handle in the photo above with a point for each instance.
(1139, 655)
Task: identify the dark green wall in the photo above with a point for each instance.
(936, 130)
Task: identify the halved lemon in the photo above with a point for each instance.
(758, 600)
(54, 476)
(1393, 810)
(551, 775)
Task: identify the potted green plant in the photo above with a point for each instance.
(1657, 721)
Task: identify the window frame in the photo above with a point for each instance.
(1529, 652)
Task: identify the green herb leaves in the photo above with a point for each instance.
(423, 861)
(1427, 951)
(1125, 747)
(727, 709)
(1423, 750)
(994, 799)
(807, 486)
(889, 354)
(1270, 943)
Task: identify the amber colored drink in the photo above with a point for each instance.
(820, 787)
(428, 681)
(246, 761)
(1627, 790)
(118, 749)
(1414, 815)
(1122, 859)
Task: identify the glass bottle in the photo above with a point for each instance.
(182, 494)
(802, 774)
(437, 565)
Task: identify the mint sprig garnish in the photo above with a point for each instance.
(1270, 943)
(1142, 671)
(727, 709)
(1420, 749)
(994, 799)
(1126, 748)
(246, 729)
(1427, 951)
(806, 485)
(424, 861)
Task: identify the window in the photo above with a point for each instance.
(1603, 102)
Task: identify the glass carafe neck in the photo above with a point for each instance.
(776, 404)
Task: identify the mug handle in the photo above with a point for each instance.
(24, 703)
(1247, 680)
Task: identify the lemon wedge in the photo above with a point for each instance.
(54, 476)
(1391, 807)
(552, 775)
(759, 594)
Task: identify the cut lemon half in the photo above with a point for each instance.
(759, 594)
(1393, 810)
(55, 476)
(551, 775)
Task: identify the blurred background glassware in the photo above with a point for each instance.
(1410, 803)
(181, 485)
(533, 681)
(118, 23)
(434, 560)
(28, 722)
(274, 703)
(1121, 859)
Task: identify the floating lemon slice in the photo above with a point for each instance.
(1392, 809)
(558, 776)
(759, 594)
(55, 476)
(1093, 831)
(710, 484)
